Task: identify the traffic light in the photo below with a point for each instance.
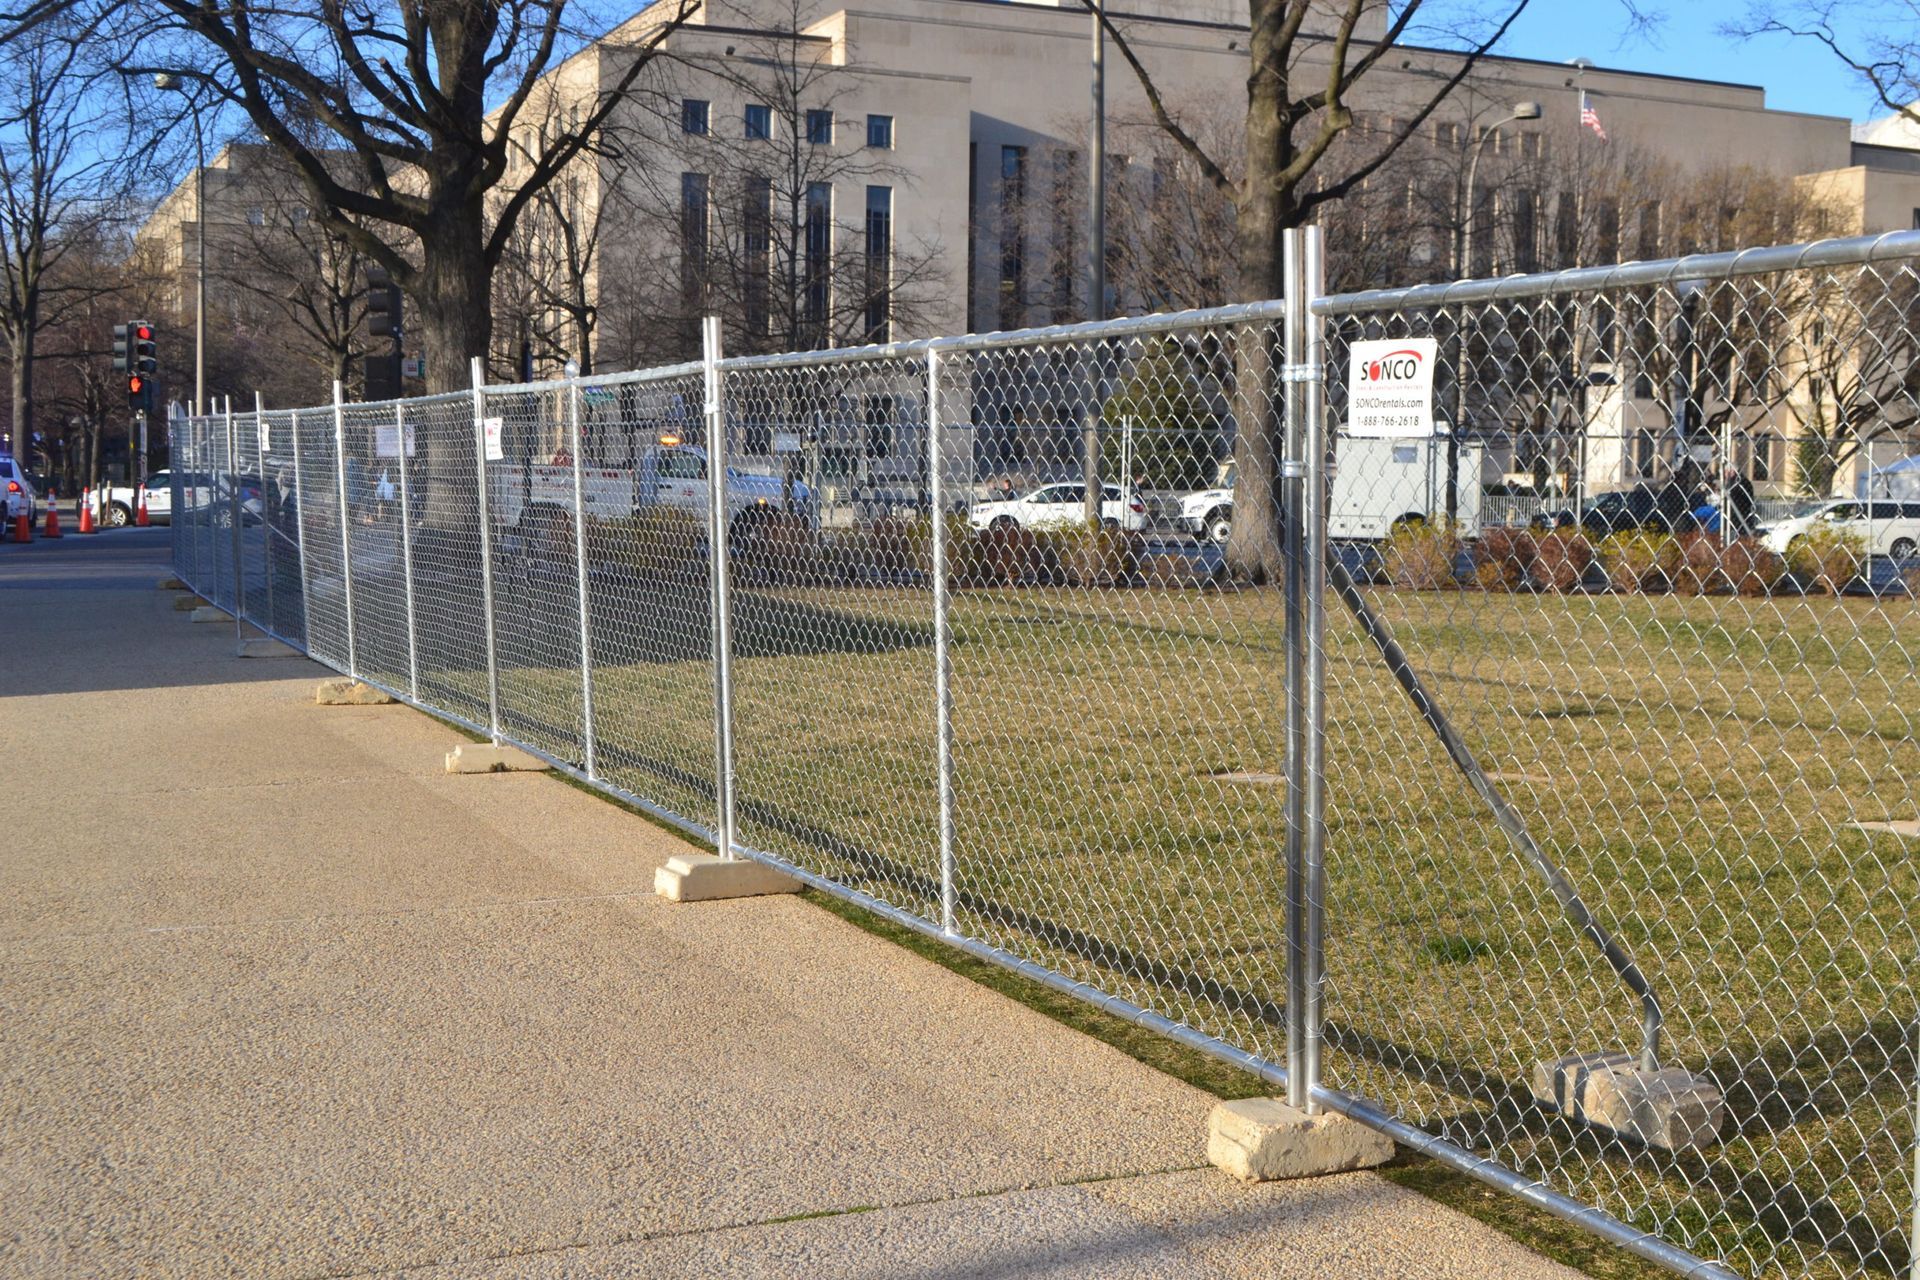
(135, 355)
(146, 357)
(383, 305)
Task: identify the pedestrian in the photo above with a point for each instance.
(1739, 517)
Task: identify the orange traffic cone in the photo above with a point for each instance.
(86, 517)
(23, 528)
(140, 514)
(53, 518)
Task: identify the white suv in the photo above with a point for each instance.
(16, 493)
(1887, 527)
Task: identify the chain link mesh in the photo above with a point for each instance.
(1060, 728)
(1699, 722)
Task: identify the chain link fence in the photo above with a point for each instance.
(1165, 661)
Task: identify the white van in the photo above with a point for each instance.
(1377, 484)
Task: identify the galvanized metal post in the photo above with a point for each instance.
(406, 548)
(1312, 384)
(300, 530)
(486, 545)
(722, 612)
(580, 573)
(233, 515)
(942, 661)
(264, 429)
(1293, 491)
(346, 522)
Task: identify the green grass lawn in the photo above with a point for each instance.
(1691, 764)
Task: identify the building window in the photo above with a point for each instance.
(880, 427)
(1447, 135)
(1526, 229)
(1763, 454)
(1533, 146)
(880, 132)
(820, 127)
(1643, 452)
(1013, 266)
(301, 214)
(1066, 167)
(693, 115)
(756, 208)
(693, 234)
(879, 261)
(818, 250)
(256, 217)
(759, 120)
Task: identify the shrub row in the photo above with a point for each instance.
(1430, 557)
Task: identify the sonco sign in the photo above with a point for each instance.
(1396, 366)
(1390, 388)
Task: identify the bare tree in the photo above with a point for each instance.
(426, 99)
(61, 179)
(282, 266)
(763, 232)
(1878, 40)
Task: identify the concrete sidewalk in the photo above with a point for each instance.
(278, 998)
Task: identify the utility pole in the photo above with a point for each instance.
(1096, 268)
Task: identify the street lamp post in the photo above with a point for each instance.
(1521, 111)
(168, 82)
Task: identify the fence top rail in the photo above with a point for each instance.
(625, 377)
(1855, 251)
(1046, 335)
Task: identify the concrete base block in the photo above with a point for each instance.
(342, 691)
(1670, 1108)
(207, 613)
(266, 647)
(1264, 1140)
(183, 603)
(485, 757)
(703, 877)
(171, 583)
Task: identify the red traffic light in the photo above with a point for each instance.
(143, 332)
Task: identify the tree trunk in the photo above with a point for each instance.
(451, 296)
(1265, 210)
(22, 348)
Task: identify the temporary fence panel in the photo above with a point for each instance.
(1431, 808)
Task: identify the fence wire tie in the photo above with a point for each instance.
(1301, 373)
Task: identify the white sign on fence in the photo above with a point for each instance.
(1390, 388)
(266, 435)
(386, 440)
(495, 450)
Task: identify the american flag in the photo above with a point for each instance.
(1589, 117)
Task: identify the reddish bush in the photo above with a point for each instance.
(1502, 558)
(1560, 559)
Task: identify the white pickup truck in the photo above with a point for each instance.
(1377, 484)
(668, 475)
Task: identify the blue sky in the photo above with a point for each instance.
(1798, 75)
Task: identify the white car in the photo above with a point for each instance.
(1887, 527)
(1060, 504)
(17, 493)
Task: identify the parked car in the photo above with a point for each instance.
(18, 494)
(1886, 527)
(1060, 504)
(1645, 506)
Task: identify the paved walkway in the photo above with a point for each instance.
(280, 999)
